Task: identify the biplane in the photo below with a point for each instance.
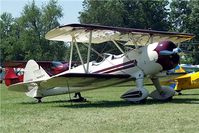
(152, 54)
(189, 80)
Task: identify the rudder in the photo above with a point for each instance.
(34, 72)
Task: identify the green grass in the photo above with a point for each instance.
(104, 113)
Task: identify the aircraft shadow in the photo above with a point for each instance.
(109, 104)
(189, 94)
(97, 104)
(44, 102)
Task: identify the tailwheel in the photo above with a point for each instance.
(38, 99)
(166, 94)
(136, 95)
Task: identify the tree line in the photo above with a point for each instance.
(22, 38)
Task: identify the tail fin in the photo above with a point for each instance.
(34, 72)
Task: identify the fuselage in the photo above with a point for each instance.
(145, 59)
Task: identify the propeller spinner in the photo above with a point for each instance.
(168, 56)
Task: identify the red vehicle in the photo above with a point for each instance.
(14, 71)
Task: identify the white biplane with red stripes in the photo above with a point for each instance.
(154, 53)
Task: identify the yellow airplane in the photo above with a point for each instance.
(184, 82)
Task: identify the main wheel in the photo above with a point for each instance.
(165, 95)
(138, 95)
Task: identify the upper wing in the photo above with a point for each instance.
(76, 80)
(100, 34)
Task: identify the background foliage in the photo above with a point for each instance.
(23, 38)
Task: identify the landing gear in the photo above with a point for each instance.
(79, 97)
(179, 92)
(161, 93)
(166, 94)
(139, 94)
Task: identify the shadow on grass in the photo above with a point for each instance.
(185, 101)
(89, 104)
(188, 94)
(98, 104)
(109, 104)
(46, 102)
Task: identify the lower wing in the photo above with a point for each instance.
(75, 80)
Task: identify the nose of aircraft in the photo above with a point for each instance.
(167, 55)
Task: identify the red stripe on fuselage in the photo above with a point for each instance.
(121, 68)
(118, 67)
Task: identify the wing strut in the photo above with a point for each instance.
(79, 54)
(117, 46)
(71, 53)
(89, 51)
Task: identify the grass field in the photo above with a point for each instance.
(104, 113)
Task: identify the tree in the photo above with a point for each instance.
(30, 33)
(102, 12)
(136, 14)
(51, 13)
(184, 17)
(23, 38)
(193, 27)
(10, 49)
(125, 13)
(180, 11)
(5, 23)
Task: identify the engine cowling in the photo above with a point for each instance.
(167, 61)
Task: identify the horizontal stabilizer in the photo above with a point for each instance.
(20, 87)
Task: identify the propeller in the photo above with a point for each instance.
(167, 52)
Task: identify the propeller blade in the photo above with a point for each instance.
(177, 50)
(166, 52)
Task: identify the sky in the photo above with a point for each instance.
(70, 8)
